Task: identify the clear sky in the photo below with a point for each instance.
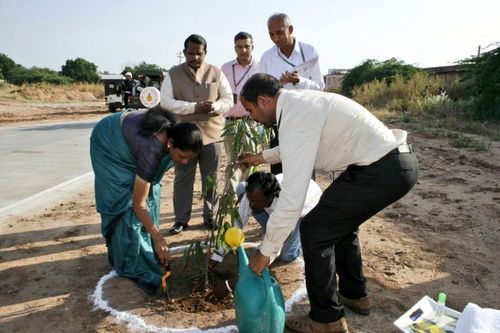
(113, 34)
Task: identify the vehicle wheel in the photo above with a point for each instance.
(112, 108)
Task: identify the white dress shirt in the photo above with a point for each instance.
(275, 63)
(319, 130)
(221, 105)
(312, 197)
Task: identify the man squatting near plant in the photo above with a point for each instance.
(258, 197)
(329, 132)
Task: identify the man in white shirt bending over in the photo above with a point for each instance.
(259, 196)
(329, 132)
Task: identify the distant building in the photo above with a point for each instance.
(447, 72)
(334, 78)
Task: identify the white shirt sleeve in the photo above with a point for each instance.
(298, 146)
(263, 64)
(312, 197)
(272, 155)
(168, 102)
(315, 80)
(226, 100)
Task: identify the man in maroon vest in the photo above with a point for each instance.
(198, 93)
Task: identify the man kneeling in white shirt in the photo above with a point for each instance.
(259, 196)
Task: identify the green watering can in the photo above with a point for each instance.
(259, 302)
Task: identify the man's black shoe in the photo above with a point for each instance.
(177, 228)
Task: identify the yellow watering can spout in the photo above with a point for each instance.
(234, 237)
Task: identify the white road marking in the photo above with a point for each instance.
(47, 191)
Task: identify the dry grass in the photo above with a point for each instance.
(43, 92)
(461, 133)
(417, 103)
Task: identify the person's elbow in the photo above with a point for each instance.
(138, 206)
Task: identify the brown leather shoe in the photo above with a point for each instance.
(360, 306)
(304, 324)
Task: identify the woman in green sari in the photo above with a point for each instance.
(130, 152)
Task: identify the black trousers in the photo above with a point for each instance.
(126, 97)
(329, 233)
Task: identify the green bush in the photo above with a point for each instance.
(371, 70)
(403, 94)
(485, 72)
(80, 70)
(460, 140)
(417, 97)
(143, 67)
(6, 66)
(20, 75)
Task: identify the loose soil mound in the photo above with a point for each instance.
(188, 305)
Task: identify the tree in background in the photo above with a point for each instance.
(6, 66)
(127, 69)
(372, 69)
(485, 72)
(80, 70)
(143, 68)
(20, 75)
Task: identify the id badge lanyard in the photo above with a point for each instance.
(236, 84)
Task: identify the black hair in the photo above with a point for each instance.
(243, 35)
(260, 84)
(156, 120)
(195, 39)
(265, 181)
(185, 136)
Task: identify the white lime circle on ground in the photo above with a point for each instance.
(137, 323)
(150, 97)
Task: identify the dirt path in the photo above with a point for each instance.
(443, 236)
(18, 113)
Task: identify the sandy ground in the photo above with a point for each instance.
(443, 236)
(18, 113)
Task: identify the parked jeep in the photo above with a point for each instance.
(149, 79)
(112, 91)
(114, 94)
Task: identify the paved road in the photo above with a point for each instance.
(40, 157)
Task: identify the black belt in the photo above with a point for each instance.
(402, 149)
(236, 118)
